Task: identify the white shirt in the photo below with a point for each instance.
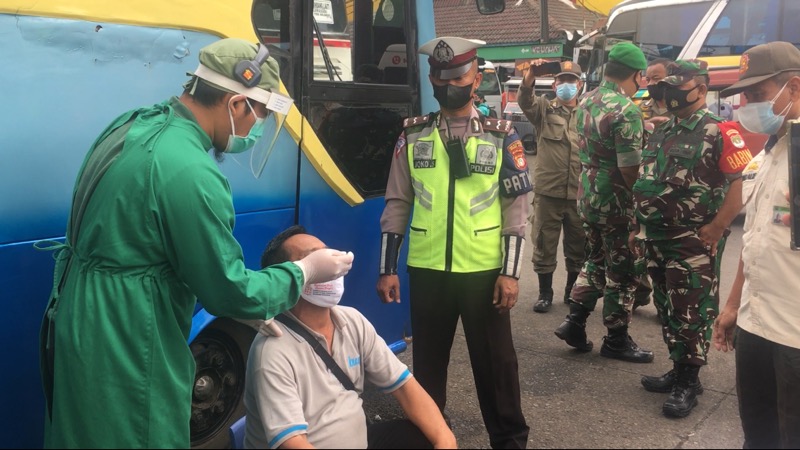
(289, 390)
(770, 305)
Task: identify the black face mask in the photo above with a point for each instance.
(677, 98)
(656, 92)
(452, 97)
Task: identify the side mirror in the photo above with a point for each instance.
(489, 7)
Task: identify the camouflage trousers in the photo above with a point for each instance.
(608, 272)
(686, 291)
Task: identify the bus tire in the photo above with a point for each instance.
(220, 354)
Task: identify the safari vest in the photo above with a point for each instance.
(457, 223)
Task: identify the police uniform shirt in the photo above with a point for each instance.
(514, 205)
(290, 391)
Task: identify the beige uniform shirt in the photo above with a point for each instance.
(770, 307)
(289, 390)
(557, 167)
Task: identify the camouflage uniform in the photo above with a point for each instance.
(610, 128)
(686, 170)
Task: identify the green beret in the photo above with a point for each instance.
(629, 55)
(217, 67)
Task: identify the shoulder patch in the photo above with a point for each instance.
(518, 155)
(503, 126)
(735, 153)
(419, 120)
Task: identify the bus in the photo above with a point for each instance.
(71, 67)
(717, 31)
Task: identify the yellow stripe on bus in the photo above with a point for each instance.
(223, 18)
(718, 62)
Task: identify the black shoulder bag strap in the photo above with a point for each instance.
(322, 352)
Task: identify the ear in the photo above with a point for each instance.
(794, 88)
(478, 79)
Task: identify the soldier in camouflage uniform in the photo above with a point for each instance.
(610, 128)
(688, 192)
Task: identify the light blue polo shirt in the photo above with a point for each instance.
(290, 391)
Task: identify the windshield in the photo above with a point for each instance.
(744, 24)
(661, 32)
(490, 85)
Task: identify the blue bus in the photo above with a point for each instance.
(71, 67)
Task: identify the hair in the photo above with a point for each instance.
(275, 253)
(204, 93)
(701, 79)
(618, 71)
(660, 61)
(783, 77)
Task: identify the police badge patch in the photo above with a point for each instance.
(485, 159)
(443, 53)
(423, 156)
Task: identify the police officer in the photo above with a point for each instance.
(610, 128)
(467, 179)
(688, 192)
(556, 170)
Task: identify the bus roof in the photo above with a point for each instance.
(224, 18)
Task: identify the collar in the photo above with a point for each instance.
(690, 123)
(339, 324)
(474, 124)
(610, 85)
(773, 139)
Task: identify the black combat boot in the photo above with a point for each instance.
(545, 293)
(573, 330)
(684, 396)
(619, 345)
(664, 383)
(571, 278)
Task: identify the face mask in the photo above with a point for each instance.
(238, 144)
(566, 91)
(324, 295)
(760, 118)
(656, 92)
(677, 98)
(452, 97)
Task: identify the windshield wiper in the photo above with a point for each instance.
(324, 50)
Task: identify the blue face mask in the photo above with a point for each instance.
(239, 144)
(760, 118)
(566, 91)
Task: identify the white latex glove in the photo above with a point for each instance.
(266, 327)
(325, 265)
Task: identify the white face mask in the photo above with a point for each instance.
(324, 295)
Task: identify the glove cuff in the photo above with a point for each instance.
(513, 247)
(390, 252)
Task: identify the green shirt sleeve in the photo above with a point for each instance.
(628, 133)
(195, 212)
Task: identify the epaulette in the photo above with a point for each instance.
(419, 120)
(503, 126)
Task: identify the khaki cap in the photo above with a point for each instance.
(763, 62)
(570, 68)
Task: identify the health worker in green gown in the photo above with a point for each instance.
(150, 231)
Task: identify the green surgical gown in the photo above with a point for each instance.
(150, 230)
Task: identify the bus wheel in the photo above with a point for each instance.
(220, 355)
(529, 144)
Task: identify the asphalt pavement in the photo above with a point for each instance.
(582, 400)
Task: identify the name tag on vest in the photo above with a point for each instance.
(424, 163)
(482, 168)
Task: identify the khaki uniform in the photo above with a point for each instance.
(556, 171)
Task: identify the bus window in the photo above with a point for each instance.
(745, 24)
(661, 32)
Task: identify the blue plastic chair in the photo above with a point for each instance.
(237, 434)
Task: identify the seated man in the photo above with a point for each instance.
(293, 401)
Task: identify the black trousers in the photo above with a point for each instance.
(438, 299)
(768, 386)
(401, 433)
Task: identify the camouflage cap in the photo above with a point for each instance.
(629, 55)
(218, 63)
(683, 70)
(570, 68)
(762, 62)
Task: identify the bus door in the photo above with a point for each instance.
(352, 111)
